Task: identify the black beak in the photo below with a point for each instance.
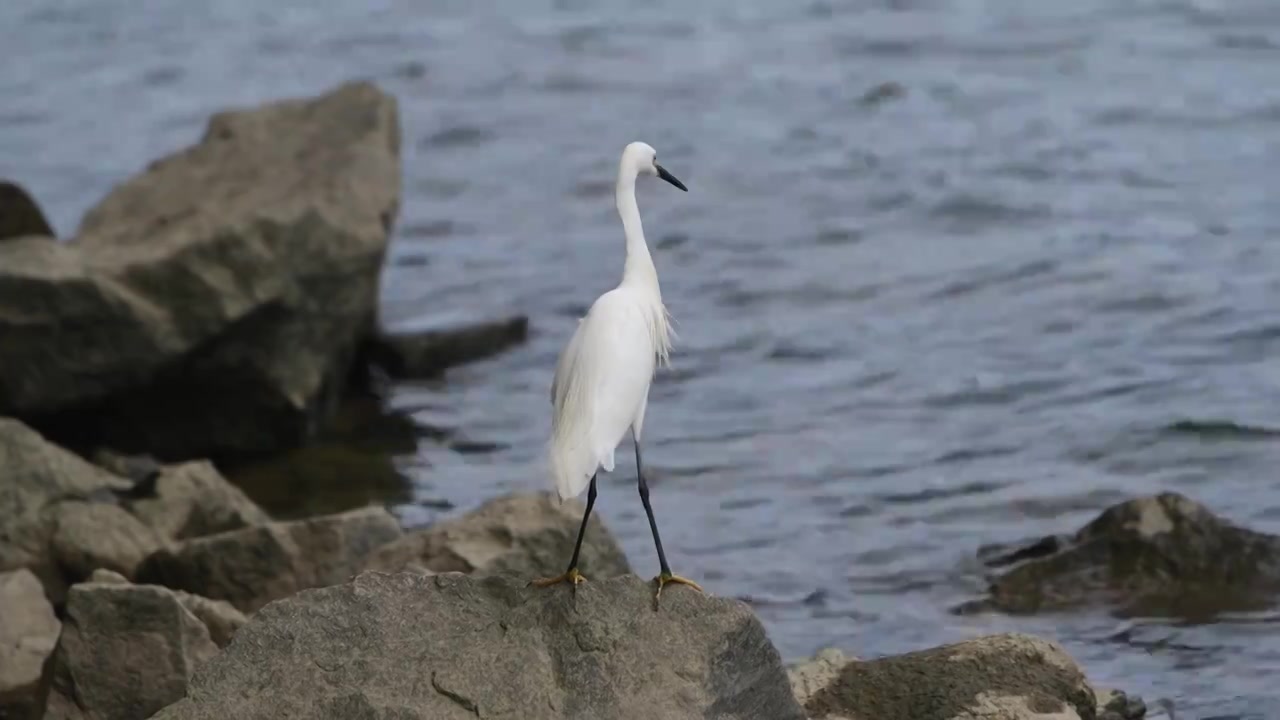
(662, 173)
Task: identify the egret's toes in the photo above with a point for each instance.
(667, 578)
(571, 576)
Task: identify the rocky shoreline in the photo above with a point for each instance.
(221, 306)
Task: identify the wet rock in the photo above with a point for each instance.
(192, 500)
(212, 305)
(427, 354)
(88, 536)
(810, 676)
(125, 652)
(219, 616)
(28, 634)
(36, 478)
(20, 216)
(253, 566)
(1116, 705)
(997, 677)
(455, 646)
(1162, 554)
(529, 535)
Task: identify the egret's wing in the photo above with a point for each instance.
(563, 363)
(600, 383)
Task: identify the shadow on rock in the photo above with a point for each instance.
(1158, 555)
(453, 646)
(20, 216)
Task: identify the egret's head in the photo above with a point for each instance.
(641, 159)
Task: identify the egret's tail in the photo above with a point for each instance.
(573, 462)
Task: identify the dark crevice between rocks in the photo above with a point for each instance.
(464, 702)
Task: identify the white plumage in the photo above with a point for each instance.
(602, 378)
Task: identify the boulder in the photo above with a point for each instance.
(219, 616)
(212, 305)
(449, 646)
(429, 353)
(997, 677)
(253, 566)
(192, 500)
(20, 216)
(28, 634)
(36, 478)
(1156, 555)
(126, 651)
(88, 536)
(528, 534)
(810, 676)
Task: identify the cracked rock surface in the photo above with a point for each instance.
(448, 646)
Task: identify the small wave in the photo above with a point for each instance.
(972, 211)
(1220, 430)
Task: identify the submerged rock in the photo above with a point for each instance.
(28, 634)
(1162, 554)
(125, 652)
(427, 354)
(529, 534)
(454, 646)
(997, 677)
(212, 305)
(253, 566)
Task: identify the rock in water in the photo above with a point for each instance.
(253, 566)
(430, 353)
(1162, 554)
(126, 651)
(528, 534)
(451, 646)
(212, 305)
(20, 216)
(998, 677)
(28, 634)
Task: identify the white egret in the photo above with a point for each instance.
(601, 384)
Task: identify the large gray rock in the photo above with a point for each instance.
(210, 306)
(997, 677)
(253, 566)
(28, 635)
(126, 651)
(36, 479)
(452, 646)
(527, 534)
(1162, 554)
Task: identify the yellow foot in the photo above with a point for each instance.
(572, 576)
(669, 579)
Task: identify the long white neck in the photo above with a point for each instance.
(638, 268)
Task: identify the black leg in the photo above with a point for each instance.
(582, 531)
(648, 509)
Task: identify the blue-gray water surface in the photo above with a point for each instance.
(949, 272)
